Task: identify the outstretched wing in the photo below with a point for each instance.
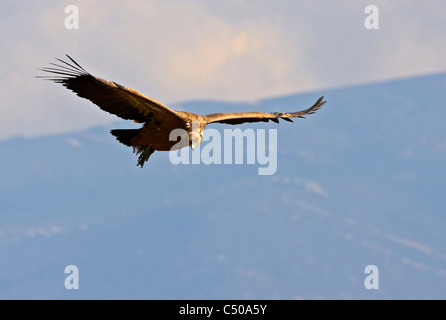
(114, 98)
(242, 117)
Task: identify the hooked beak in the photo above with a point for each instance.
(195, 139)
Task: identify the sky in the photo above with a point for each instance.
(176, 51)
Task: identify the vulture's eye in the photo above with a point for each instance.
(187, 124)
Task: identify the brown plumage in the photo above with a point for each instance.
(157, 119)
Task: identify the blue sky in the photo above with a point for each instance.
(177, 51)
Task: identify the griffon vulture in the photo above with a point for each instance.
(158, 120)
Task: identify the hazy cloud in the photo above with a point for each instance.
(410, 243)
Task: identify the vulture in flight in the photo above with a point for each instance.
(158, 120)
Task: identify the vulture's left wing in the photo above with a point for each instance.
(114, 98)
(242, 117)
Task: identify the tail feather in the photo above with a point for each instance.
(125, 136)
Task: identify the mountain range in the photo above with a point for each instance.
(359, 183)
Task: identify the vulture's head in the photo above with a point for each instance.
(195, 131)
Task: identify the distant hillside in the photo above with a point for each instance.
(361, 182)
